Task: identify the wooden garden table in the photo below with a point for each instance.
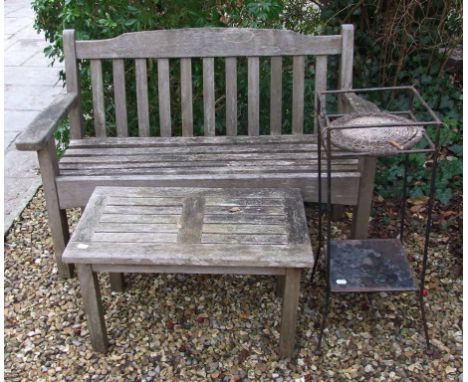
(191, 230)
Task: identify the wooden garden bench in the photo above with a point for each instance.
(254, 160)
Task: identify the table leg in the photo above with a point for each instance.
(292, 286)
(92, 304)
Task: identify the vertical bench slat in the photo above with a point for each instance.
(320, 79)
(253, 64)
(208, 96)
(276, 95)
(346, 63)
(298, 95)
(98, 98)
(73, 83)
(231, 96)
(142, 97)
(164, 97)
(118, 74)
(186, 96)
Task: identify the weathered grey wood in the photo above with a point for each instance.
(137, 227)
(98, 98)
(253, 64)
(201, 149)
(186, 96)
(73, 83)
(164, 98)
(139, 219)
(209, 42)
(279, 209)
(144, 201)
(276, 95)
(320, 82)
(363, 207)
(208, 96)
(264, 255)
(42, 128)
(57, 217)
(118, 74)
(184, 192)
(231, 96)
(142, 97)
(347, 52)
(298, 95)
(184, 141)
(225, 247)
(191, 221)
(143, 210)
(191, 269)
(85, 168)
(117, 282)
(90, 291)
(244, 239)
(133, 238)
(297, 223)
(222, 168)
(292, 285)
(76, 190)
(248, 229)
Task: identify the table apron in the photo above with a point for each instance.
(200, 269)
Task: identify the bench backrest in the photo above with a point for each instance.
(207, 44)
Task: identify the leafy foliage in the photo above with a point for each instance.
(409, 42)
(397, 42)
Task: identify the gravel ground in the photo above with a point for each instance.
(216, 328)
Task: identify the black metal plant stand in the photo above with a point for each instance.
(373, 265)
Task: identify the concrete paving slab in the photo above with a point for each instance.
(22, 162)
(24, 75)
(16, 24)
(17, 194)
(18, 53)
(39, 60)
(21, 97)
(8, 138)
(18, 120)
(23, 12)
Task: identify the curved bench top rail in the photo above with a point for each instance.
(209, 42)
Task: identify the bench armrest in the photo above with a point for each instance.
(42, 128)
(356, 104)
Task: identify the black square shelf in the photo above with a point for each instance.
(372, 265)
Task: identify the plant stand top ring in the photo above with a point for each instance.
(377, 140)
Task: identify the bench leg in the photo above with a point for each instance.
(57, 218)
(292, 286)
(362, 210)
(117, 282)
(93, 307)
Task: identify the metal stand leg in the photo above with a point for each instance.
(424, 322)
(326, 309)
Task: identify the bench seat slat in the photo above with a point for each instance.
(184, 141)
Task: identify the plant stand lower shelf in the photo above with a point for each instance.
(372, 265)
